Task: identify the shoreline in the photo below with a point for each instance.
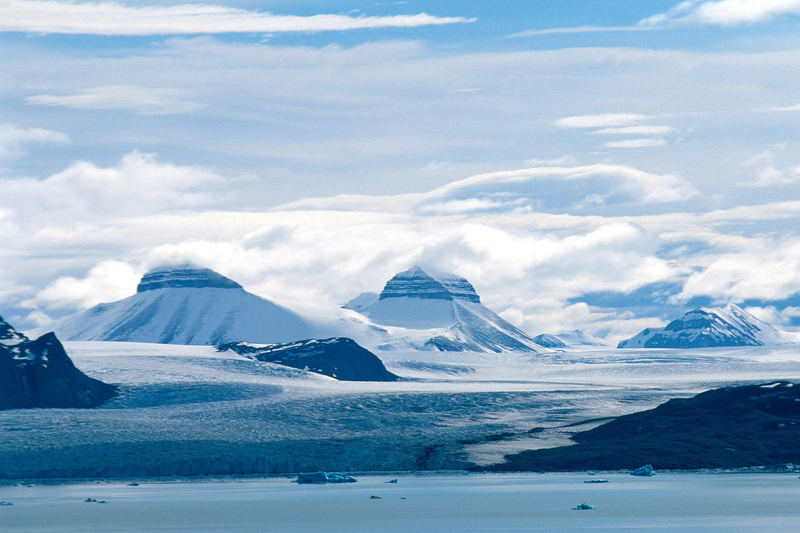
(291, 477)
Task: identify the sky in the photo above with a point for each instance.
(602, 165)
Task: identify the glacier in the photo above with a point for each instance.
(192, 410)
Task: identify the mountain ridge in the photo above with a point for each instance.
(707, 327)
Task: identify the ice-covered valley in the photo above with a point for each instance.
(191, 410)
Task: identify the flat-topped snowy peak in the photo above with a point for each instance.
(440, 312)
(705, 327)
(187, 276)
(416, 283)
(187, 305)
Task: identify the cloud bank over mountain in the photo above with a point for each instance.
(580, 178)
(508, 232)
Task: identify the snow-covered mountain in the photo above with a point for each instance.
(188, 305)
(706, 327)
(439, 312)
(39, 373)
(576, 337)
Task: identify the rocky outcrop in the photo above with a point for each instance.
(754, 425)
(39, 373)
(337, 357)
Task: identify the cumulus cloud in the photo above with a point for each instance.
(771, 271)
(107, 281)
(110, 18)
(143, 100)
(725, 12)
(138, 184)
(13, 138)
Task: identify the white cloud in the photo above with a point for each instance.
(13, 138)
(139, 184)
(635, 130)
(143, 100)
(107, 18)
(107, 281)
(645, 186)
(526, 264)
(771, 271)
(580, 29)
(643, 142)
(603, 120)
(726, 12)
(766, 172)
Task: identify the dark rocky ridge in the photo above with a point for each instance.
(338, 357)
(754, 425)
(184, 276)
(39, 373)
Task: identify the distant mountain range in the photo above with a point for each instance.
(566, 339)
(188, 305)
(416, 310)
(38, 373)
(439, 312)
(706, 327)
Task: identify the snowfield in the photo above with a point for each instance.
(190, 410)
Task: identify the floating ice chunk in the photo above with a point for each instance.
(646, 470)
(582, 507)
(324, 477)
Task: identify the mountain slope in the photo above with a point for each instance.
(39, 373)
(187, 305)
(575, 337)
(442, 312)
(337, 357)
(704, 327)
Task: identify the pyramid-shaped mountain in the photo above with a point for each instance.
(39, 373)
(705, 328)
(445, 312)
(187, 304)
